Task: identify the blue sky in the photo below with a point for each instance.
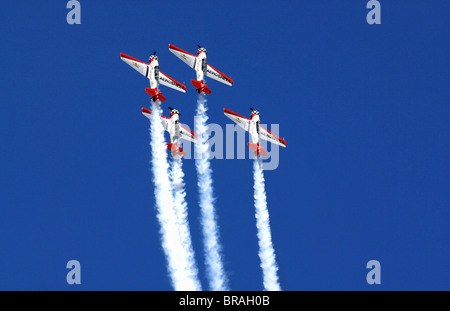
(363, 108)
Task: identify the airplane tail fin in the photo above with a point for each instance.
(201, 87)
(197, 84)
(177, 152)
(259, 150)
(155, 94)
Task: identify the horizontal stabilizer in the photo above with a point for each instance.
(177, 152)
(155, 94)
(201, 87)
(259, 150)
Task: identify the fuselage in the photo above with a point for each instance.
(173, 127)
(200, 65)
(254, 128)
(153, 73)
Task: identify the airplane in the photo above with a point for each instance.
(201, 67)
(256, 131)
(156, 77)
(176, 131)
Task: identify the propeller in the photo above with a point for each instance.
(152, 56)
(199, 47)
(174, 109)
(254, 111)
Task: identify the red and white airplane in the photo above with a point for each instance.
(156, 77)
(256, 131)
(201, 67)
(176, 131)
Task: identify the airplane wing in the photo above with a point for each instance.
(168, 81)
(215, 74)
(267, 135)
(188, 135)
(186, 57)
(240, 120)
(147, 112)
(140, 67)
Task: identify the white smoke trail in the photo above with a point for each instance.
(181, 212)
(266, 251)
(217, 278)
(181, 277)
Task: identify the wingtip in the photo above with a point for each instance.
(145, 110)
(128, 57)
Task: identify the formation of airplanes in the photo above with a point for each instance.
(172, 125)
